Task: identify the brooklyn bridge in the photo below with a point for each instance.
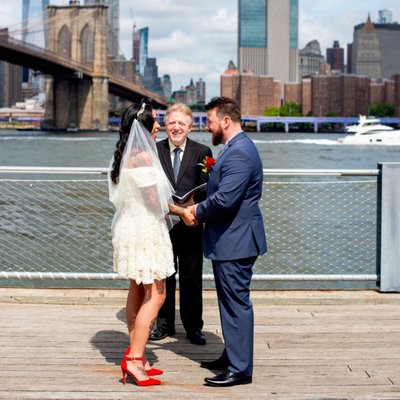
(74, 61)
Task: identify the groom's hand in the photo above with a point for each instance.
(188, 218)
(192, 209)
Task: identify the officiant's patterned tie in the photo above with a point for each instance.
(177, 162)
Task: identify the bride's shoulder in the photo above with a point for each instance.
(142, 159)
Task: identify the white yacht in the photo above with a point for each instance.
(369, 130)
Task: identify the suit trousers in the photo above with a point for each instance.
(232, 281)
(187, 243)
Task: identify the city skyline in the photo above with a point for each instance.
(193, 41)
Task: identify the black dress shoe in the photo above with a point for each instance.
(197, 337)
(228, 378)
(160, 333)
(220, 363)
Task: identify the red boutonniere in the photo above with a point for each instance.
(207, 164)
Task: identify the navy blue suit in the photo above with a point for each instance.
(234, 237)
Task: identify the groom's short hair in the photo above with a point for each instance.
(224, 106)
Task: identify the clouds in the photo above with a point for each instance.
(190, 41)
(198, 39)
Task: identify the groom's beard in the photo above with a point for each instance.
(217, 137)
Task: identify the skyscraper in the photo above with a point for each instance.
(335, 57)
(33, 21)
(374, 51)
(34, 28)
(136, 48)
(112, 25)
(143, 53)
(10, 84)
(151, 80)
(268, 38)
(311, 59)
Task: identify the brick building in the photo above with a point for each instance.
(344, 95)
(292, 93)
(254, 93)
(320, 95)
(306, 96)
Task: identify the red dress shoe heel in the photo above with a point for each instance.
(151, 371)
(125, 372)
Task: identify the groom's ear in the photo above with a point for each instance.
(226, 121)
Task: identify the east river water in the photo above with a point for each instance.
(278, 151)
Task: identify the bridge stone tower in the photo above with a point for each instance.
(78, 33)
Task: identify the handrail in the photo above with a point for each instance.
(322, 172)
(205, 277)
(267, 171)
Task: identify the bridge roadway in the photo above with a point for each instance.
(20, 53)
(66, 344)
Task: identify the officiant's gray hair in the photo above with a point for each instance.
(180, 107)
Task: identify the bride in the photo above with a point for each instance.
(142, 196)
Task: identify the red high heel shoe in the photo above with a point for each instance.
(125, 371)
(151, 371)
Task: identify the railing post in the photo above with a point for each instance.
(388, 227)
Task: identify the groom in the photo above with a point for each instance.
(234, 237)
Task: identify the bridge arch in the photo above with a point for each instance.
(64, 42)
(87, 45)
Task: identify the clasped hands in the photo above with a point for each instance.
(189, 216)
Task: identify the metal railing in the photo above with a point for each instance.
(321, 226)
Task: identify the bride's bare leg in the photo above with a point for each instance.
(154, 297)
(133, 303)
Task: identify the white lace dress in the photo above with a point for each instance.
(142, 246)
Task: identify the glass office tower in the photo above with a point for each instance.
(143, 52)
(253, 23)
(112, 25)
(34, 26)
(268, 38)
(34, 16)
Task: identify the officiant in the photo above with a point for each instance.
(181, 159)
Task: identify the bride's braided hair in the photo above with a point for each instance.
(145, 117)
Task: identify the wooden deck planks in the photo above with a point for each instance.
(306, 347)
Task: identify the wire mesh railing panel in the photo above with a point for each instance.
(55, 226)
(313, 227)
(321, 227)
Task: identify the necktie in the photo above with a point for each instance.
(177, 162)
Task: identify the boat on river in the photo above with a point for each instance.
(370, 130)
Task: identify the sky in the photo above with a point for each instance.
(193, 39)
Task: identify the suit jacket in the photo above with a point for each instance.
(234, 226)
(190, 173)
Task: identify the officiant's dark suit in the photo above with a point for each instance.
(187, 242)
